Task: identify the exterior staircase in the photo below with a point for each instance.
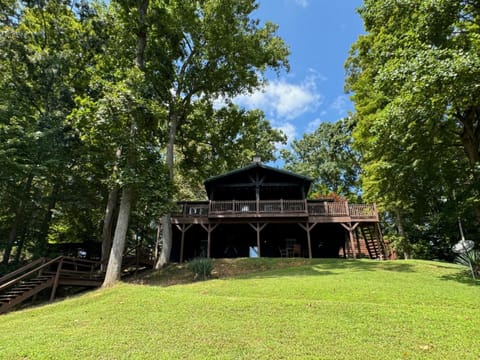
(28, 281)
(372, 235)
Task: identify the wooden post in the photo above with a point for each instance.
(350, 229)
(183, 230)
(307, 227)
(352, 242)
(257, 227)
(182, 243)
(309, 244)
(258, 240)
(209, 241)
(209, 228)
(375, 210)
(55, 281)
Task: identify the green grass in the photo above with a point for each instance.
(326, 309)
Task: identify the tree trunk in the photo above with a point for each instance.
(470, 136)
(108, 227)
(164, 257)
(13, 234)
(19, 215)
(403, 235)
(42, 240)
(114, 267)
(21, 244)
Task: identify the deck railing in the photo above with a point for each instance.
(362, 210)
(328, 209)
(246, 208)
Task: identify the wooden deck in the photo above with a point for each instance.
(314, 210)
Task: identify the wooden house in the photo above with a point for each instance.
(263, 211)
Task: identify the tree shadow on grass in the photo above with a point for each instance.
(464, 277)
(248, 268)
(331, 267)
(366, 265)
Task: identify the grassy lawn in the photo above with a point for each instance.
(324, 309)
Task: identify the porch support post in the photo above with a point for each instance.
(183, 229)
(308, 227)
(257, 227)
(351, 229)
(209, 228)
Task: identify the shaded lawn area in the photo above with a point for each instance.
(323, 309)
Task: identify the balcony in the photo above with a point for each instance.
(276, 208)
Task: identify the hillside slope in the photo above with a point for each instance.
(326, 309)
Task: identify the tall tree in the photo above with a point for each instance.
(47, 49)
(222, 52)
(231, 138)
(326, 155)
(414, 79)
(121, 120)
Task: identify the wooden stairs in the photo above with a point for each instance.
(372, 236)
(28, 281)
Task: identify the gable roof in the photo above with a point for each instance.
(301, 179)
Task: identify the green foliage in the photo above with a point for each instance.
(47, 53)
(327, 156)
(201, 268)
(413, 80)
(471, 259)
(229, 139)
(87, 106)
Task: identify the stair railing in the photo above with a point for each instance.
(38, 269)
(17, 272)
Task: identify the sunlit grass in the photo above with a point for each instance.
(327, 309)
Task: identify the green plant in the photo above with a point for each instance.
(472, 260)
(201, 267)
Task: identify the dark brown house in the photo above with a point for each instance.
(262, 211)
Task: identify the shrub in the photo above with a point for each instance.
(201, 268)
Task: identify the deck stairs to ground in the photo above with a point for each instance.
(372, 236)
(33, 278)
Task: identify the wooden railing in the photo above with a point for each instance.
(362, 210)
(41, 274)
(328, 209)
(245, 208)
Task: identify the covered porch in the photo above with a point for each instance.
(266, 239)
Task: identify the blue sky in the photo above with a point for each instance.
(319, 34)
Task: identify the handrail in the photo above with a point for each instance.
(281, 206)
(67, 260)
(22, 269)
(24, 276)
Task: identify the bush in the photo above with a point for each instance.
(201, 268)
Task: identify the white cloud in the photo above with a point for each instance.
(302, 3)
(288, 129)
(284, 100)
(341, 104)
(313, 125)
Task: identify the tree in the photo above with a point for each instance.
(230, 139)
(326, 155)
(222, 52)
(121, 121)
(414, 82)
(47, 49)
